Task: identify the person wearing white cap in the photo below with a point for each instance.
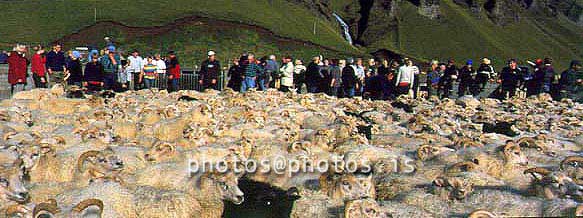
(209, 72)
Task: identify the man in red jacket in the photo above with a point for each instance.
(17, 68)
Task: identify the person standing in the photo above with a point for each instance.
(173, 72)
(287, 74)
(485, 73)
(324, 84)
(299, 75)
(361, 75)
(262, 76)
(349, 79)
(149, 73)
(336, 79)
(38, 67)
(572, 82)
(134, 68)
(111, 63)
(209, 72)
(252, 69)
(272, 73)
(551, 79)
(56, 65)
(93, 75)
(449, 76)
(234, 76)
(509, 79)
(466, 80)
(406, 77)
(17, 68)
(313, 75)
(74, 70)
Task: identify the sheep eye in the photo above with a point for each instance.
(102, 160)
(345, 183)
(225, 187)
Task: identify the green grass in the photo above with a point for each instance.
(46, 20)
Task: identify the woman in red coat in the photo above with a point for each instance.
(38, 68)
(17, 68)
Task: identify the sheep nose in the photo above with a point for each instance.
(119, 163)
(29, 123)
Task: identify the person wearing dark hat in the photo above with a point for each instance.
(572, 82)
(509, 79)
(173, 72)
(209, 72)
(467, 80)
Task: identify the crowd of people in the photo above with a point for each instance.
(375, 79)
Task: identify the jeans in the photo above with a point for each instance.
(261, 84)
(37, 81)
(248, 83)
(349, 92)
(173, 85)
(136, 80)
(109, 81)
(149, 83)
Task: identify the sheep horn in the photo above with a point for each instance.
(482, 214)
(570, 159)
(49, 206)
(537, 170)
(8, 135)
(421, 151)
(84, 156)
(171, 146)
(60, 139)
(296, 146)
(88, 203)
(465, 166)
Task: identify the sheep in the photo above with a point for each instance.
(451, 188)
(552, 185)
(347, 186)
(12, 188)
(363, 208)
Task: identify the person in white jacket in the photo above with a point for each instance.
(287, 74)
(406, 77)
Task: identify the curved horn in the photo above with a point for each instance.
(482, 214)
(8, 135)
(465, 166)
(570, 159)
(84, 156)
(88, 203)
(49, 206)
(537, 170)
(169, 145)
(296, 146)
(60, 139)
(510, 145)
(422, 151)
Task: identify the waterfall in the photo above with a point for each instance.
(345, 27)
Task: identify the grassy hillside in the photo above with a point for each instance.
(46, 20)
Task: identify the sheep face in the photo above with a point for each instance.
(350, 186)
(452, 188)
(427, 152)
(227, 185)
(513, 155)
(363, 208)
(12, 186)
(573, 167)
(99, 164)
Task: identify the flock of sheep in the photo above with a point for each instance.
(67, 154)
